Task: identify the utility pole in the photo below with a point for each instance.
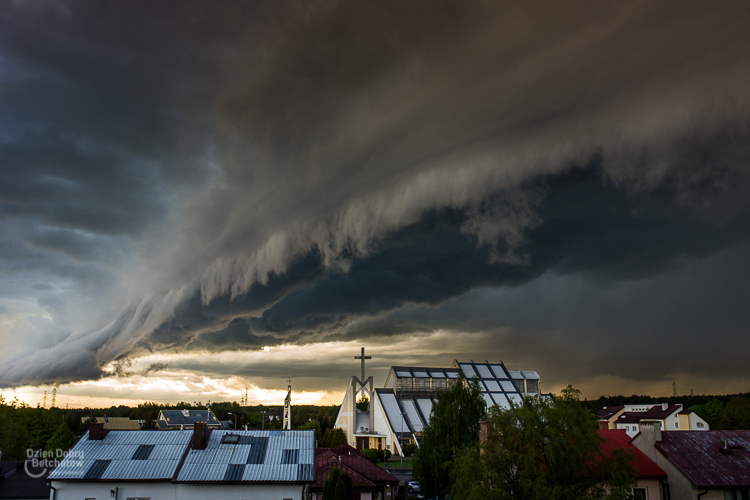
(44, 405)
(54, 396)
(674, 389)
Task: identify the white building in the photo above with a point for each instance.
(667, 417)
(189, 464)
(400, 410)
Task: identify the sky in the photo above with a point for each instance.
(197, 199)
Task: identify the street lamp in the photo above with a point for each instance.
(235, 419)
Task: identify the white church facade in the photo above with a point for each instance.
(399, 411)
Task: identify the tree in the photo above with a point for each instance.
(736, 414)
(453, 427)
(363, 403)
(543, 449)
(149, 422)
(332, 438)
(711, 412)
(63, 439)
(338, 486)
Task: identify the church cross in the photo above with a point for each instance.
(363, 358)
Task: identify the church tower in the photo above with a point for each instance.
(288, 407)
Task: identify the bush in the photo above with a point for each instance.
(371, 454)
(409, 449)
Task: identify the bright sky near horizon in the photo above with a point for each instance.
(196, 199)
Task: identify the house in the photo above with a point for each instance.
(185, 419)
(369, 482)
(704, 465)
(248, 464)
(121, 464)
(23, 480)
(650, 475)
(116, 423)
(186, 464)
(630, 417)
(400, 410)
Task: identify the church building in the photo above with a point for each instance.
(399, 411)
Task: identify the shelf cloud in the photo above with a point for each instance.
(192, 178)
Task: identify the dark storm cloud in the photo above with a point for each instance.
(257, 173)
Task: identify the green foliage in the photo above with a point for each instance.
(711, 412)
(736, 414)
(543, 449)
(346, 481)
(377, 455)
(372, 454)
(409, 449)
(453, 427)
(329, 487)
(363, 403)
(149, 422)
(62, 440)
(332, 438)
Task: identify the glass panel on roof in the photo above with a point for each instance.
(515, 374)
(484, 371)
(439, 384)
(530, 375)
(468, 370)
(516, 398)
(421, 374)
(487, 399)
(492, 386)
(501, 400)
(436, 374)
(508, 386)
(499, 372)
(452, 374)
(403, 374)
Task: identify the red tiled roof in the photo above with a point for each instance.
(701, 457)
(618, 438)
(346, 458)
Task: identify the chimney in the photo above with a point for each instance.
(603, 424)
(96, 432)
(664, 406)
(485, 428)
(199, 439)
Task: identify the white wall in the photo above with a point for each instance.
(168, 491)
(69, 490)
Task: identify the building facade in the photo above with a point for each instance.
(400, 410)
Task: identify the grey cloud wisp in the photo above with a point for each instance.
(219, 178)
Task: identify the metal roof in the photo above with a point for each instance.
(704, 460)
(121, 455)
(258, 456)
(188, 417)
(618, 438)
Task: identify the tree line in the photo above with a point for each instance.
(34, 428)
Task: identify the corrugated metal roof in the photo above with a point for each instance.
(702, 458)
(259, 456)
(119, 447)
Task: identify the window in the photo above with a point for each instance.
(532, 386)
(676, 425)
(519, 384)
(700, 425)
(640, 494)
(734, 495)
(665, 491)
